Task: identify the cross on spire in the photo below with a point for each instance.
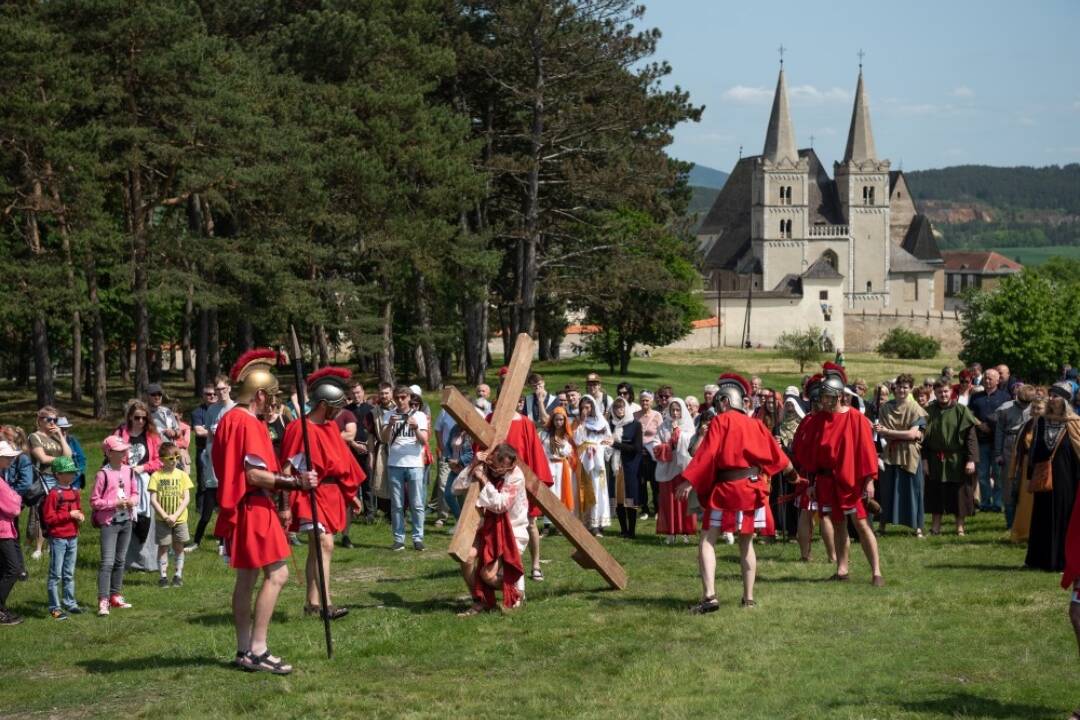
(811, 141)
(861, 55)
(781, 50)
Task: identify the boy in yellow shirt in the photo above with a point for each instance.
(170, 491)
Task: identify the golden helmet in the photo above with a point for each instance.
(252, 372)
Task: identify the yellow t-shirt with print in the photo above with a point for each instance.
(170, 487)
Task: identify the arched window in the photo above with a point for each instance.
(869, 286)
(830, 257)
(788, 226)
(781, 228)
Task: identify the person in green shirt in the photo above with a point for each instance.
(170, 491)
(950, 453)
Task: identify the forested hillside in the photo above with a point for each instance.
(979, 206)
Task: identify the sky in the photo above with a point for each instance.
(950, 82)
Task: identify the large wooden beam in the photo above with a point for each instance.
(486, 435)
(589, 553)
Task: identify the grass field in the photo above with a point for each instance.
(1039, 255)
(960, 631)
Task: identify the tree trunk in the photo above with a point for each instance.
(446, 363)
(245, 335)
(214, 347)
(69, 272)
(125, 362)
(22, 372)
(385, 358)
(527, 270)
(432, 371)
(185, 339)
(323, 345)
(202, 352)
(97, 339)
(137, 227)
(43, 372)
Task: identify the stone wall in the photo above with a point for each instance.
(863, 331)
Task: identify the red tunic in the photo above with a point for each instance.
(523, 437)
(734, 441)
(247, 519)
(339, 474)
(841, 456)
(803, 446)
(495, 540)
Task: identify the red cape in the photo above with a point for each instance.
(331, 459)
(841, 444)
(524, 438)
(495, 541)
(804, 444)
(248, 523)
(733, 441)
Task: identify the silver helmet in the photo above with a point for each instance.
(733, 388)
(329, 385)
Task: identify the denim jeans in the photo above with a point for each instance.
(62, 553)
(412, 479)
(989, 484)
(450, 498)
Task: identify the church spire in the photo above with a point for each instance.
(860, 142)
(780, 138)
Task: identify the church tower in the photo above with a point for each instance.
(862, 182)
(779, 194)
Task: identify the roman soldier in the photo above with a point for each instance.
(843, 462)
(247, 471)
(730, 475)
(339, 472)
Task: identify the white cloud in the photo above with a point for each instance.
(963, 92)
(747, 95)
(799, 95)
(919, 109)
(810, 95)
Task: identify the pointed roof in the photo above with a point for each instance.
(780, 137)
(920, 241)
(860, 141)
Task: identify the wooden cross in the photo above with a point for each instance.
(589, 553)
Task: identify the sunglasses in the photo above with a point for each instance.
(155, 394)
(139, 417)
(49, 420)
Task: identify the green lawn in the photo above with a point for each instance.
(960, 631)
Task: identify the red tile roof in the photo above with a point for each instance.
(986, 261)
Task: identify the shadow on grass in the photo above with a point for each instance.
(419, 607)
(226, 618)
(962, 704)
(615, 600)
(151, 662)
(979, 566)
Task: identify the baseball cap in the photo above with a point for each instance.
(8, 450)
(592, 377)
(64, 464)
(415, 390)
(114, 443)
(154, 389)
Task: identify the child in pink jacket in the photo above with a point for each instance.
(10, 559)
(114, 500)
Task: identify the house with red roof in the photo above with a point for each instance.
(981, 269)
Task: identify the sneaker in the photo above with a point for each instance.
(177, 581)
(163, 582)
(418, 546)
(294, 539)
(118, 601)
(729, 538)
(58, 614)
(397, 546)
(643, 516)
(9, 618)
(439, 522)
(191, 548)
(346, 542)
(103, 607)
(74, 610)
(36, 555)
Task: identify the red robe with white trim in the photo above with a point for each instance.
(340, 476)
(247, 519)
(734, 441)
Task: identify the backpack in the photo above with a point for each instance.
(35, 494)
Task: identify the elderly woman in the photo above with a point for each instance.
(901, 425)
(139, 433)
(592, 439)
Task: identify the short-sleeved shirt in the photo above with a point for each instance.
(198, 419)
(444, 427)
(362, 411)
(405, 450)
(169, 488)
(345, 417)
(51, 447)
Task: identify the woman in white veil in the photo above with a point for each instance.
(672, 455)
(592, 438)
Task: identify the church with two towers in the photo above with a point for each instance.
(786, 247)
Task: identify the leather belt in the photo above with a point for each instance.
(737, 474)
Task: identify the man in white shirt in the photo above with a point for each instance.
(405, 433)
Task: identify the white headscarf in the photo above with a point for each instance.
(595, 422)
(680, 458)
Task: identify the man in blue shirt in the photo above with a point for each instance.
(985, 406)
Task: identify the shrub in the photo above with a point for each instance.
(908, 345)
(802, 346)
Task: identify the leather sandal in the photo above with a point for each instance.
(748, 603)
(537, 575)
(707, 605)
(473, 610)
(837, 577)
(265, 663)
(877, 581)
